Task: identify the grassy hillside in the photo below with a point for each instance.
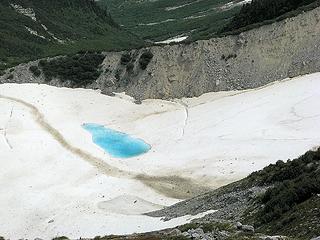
(38, 28)
(281, 199)
(200, 19)
(291, 205)
(260, 12)
(162, 19)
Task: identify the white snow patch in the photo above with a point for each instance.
(33, 32)
(29, 12)
(157, 23)
(48, 191)
(171, 40)
(233, 4)
(195, 17)
(51, 34)
(180, 6)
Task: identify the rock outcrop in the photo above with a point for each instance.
(252, 59)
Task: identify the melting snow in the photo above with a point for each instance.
(171, 40)
(33, 32)
(234, 4)
(157, 23)
(25, 11)
(53, 183)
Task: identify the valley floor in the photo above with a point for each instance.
(55, 181)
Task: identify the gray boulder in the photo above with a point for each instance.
(316, 238)
(196, 233)
(273, 238)
(247, 228)
(239, 225)
(175, 232)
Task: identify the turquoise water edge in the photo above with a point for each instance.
(117, 144)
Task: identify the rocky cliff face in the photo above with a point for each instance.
(252, 59)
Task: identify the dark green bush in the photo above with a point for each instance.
(130, 67)
(10, 77)
(294, 182)
(226, 58)
(117, 74)
(145, 59)
(286, 195)
(60, 238)
(125, 58)
(281, 171)
(267, 10)
(35, 70)
(79, 69)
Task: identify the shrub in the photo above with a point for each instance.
(35, 70)
(117, 74)
(79, 69)
(130, 67)
(125, 58)
(259, 11)
(294, 182)
(290, 170)
(10, 77)
(60, 238)
(145, 59)
(226, 58)
(286, 195)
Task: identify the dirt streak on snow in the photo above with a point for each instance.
(55, 181)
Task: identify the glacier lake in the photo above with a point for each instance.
(116, 144)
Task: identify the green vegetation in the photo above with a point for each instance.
(61, 27)
(60, 238)
(146, 236)
(162, 19)
(207, 227)
(293, 195)
(262, 12)
(125, 59)
(10, 77)
(285, 195)
(291, 170)
(35, 70)
(79, 70)
(301, 222)
(145, 59)
(226, 58)
(204, 19)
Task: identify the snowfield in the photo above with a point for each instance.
(55, 181)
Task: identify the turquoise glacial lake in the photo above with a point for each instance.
(116, 144)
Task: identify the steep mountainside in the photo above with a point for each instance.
(260, 12)
(281, 199)
(166, 21)
(38, 28)
(163, 19)
(252, 59)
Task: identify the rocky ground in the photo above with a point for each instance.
(252, 59)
